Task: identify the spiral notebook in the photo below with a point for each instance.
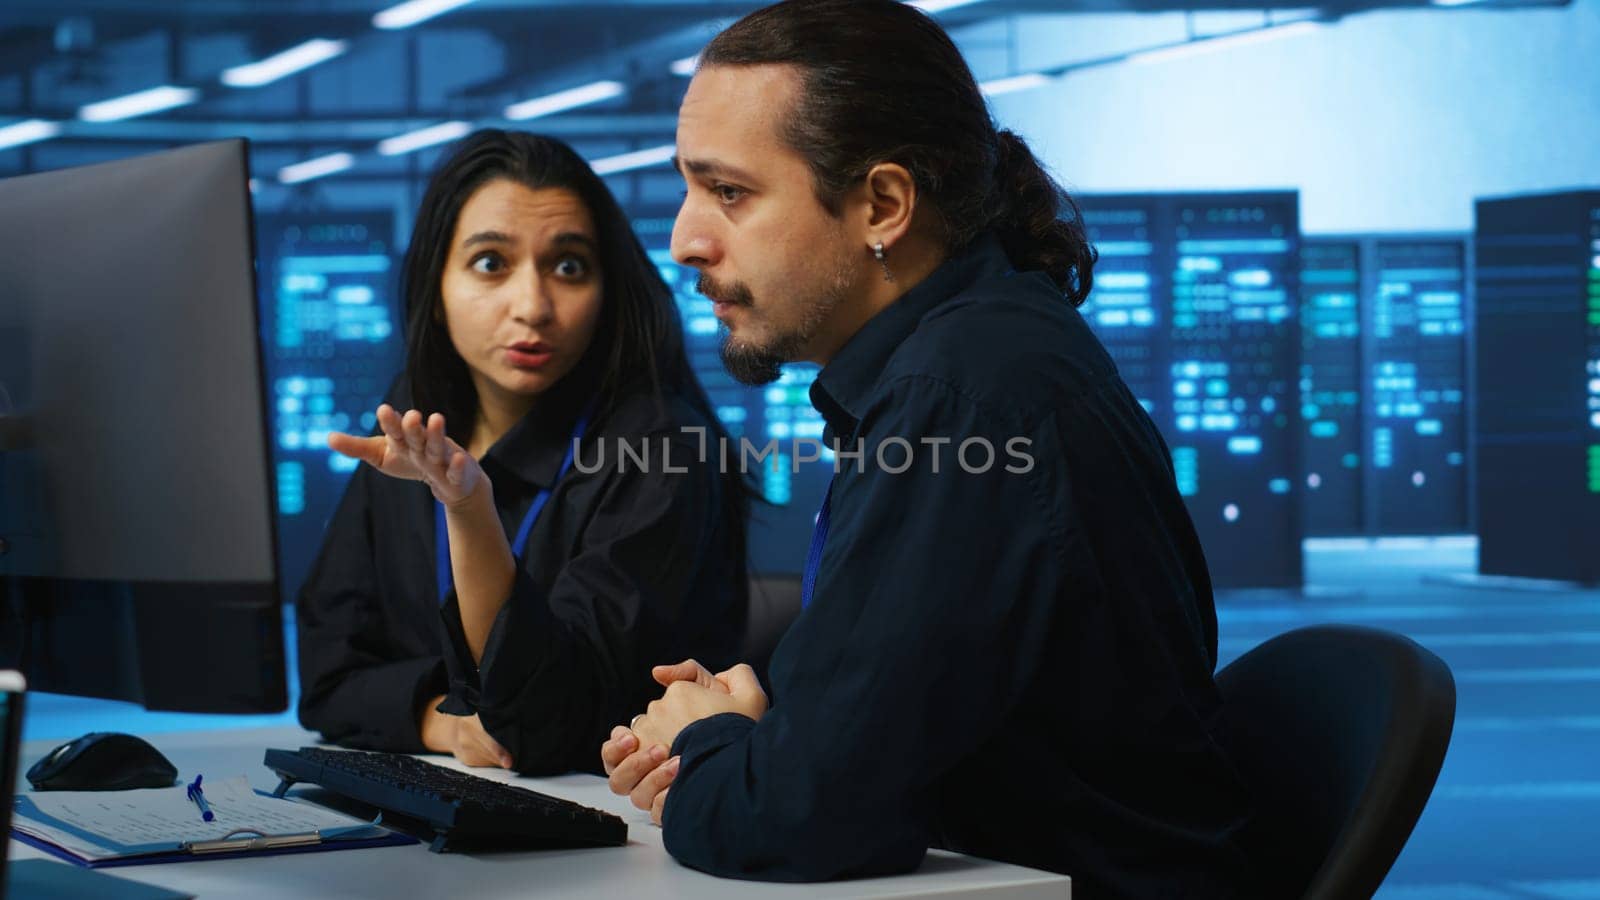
(116, 828)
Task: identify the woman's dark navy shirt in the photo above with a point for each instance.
(625, 569)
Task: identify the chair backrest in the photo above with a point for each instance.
(774, 604)
(1340, 732)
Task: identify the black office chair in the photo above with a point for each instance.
(1340, 732)
(774, 604)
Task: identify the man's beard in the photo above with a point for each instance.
(753, 366)
(759, 364)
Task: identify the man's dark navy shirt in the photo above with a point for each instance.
(1013, 661)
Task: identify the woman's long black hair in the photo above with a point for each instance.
(638, 336)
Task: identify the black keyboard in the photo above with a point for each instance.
(462, 811)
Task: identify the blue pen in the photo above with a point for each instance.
(199, 799)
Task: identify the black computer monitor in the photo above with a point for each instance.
(138, 560)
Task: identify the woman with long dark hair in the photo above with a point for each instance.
(498, 580)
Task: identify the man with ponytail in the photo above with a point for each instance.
(1008, 638)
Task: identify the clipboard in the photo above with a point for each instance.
(256, 844)
(95, 831)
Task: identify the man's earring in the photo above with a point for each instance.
(877, 253)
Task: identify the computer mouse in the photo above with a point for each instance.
(102, 761)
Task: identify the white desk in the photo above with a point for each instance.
(642, 870)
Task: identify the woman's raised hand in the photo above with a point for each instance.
(415, 450)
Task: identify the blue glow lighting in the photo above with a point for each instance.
(1244, 445)
(291, 489)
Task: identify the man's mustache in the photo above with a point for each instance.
(735, 293)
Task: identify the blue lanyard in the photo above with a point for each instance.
(819, 537)
(441, 531)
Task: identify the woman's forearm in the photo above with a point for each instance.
(481, 562)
